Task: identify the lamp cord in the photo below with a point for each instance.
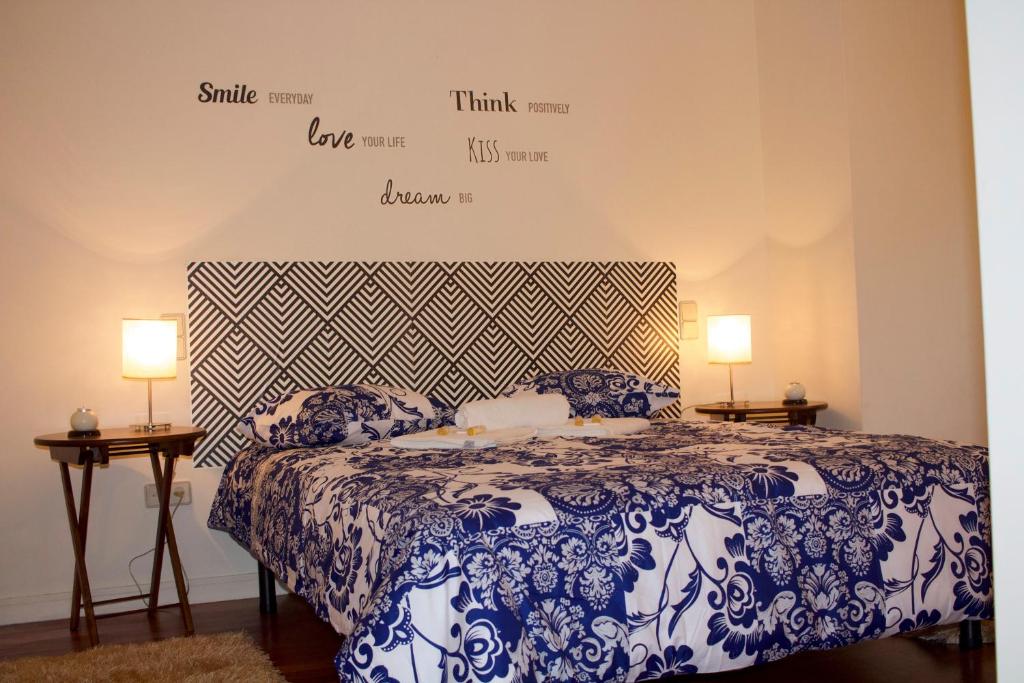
(138, 586)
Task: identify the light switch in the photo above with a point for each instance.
(180, 317)
(688, 319)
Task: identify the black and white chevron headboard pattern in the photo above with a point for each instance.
(459, 331)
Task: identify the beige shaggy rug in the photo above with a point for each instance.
(230, 657)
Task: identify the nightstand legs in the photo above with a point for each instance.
(165, 528)
(78, 523)
(83, 528)
(78, 543)
(87, 451)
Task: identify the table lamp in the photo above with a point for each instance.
(729, 343)
(149, 350)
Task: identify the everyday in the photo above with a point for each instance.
(290, 98)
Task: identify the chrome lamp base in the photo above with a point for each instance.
(150, 426)
(732, 398)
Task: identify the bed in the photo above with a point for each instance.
(691, 548)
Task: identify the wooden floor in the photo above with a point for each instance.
(303, 647)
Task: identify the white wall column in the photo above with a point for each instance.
(994, 30)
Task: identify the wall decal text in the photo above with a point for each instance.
(548, 107)
(466, 100)
(391, 196)
(535, 155)
(290, 98)
(483, 151)
(384, 141)
(317, 139)
(240, 94)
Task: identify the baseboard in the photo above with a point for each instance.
(26, 608)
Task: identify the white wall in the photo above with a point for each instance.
(808, 200)
(994, 30)
(916, 250)
(716, 135)
(799, 283)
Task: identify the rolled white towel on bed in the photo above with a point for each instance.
(454, 439)
(609, 426)
(521, 410)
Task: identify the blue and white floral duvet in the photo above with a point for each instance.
(694, 547)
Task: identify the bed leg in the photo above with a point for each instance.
(970, 634)
(268, 593)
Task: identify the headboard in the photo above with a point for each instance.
(458, 330)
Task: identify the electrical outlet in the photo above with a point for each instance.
(181, 494)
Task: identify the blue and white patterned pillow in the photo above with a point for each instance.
(348, 414)
(608, 393)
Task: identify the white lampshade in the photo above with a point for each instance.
(729, 339)
(149, 349)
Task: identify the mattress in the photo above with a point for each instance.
(693, 547)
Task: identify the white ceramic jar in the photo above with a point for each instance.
(795, 391)
(84, 420)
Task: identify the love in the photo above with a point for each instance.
(333, 139)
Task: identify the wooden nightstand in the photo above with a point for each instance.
(797, 414)
(91, 450)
